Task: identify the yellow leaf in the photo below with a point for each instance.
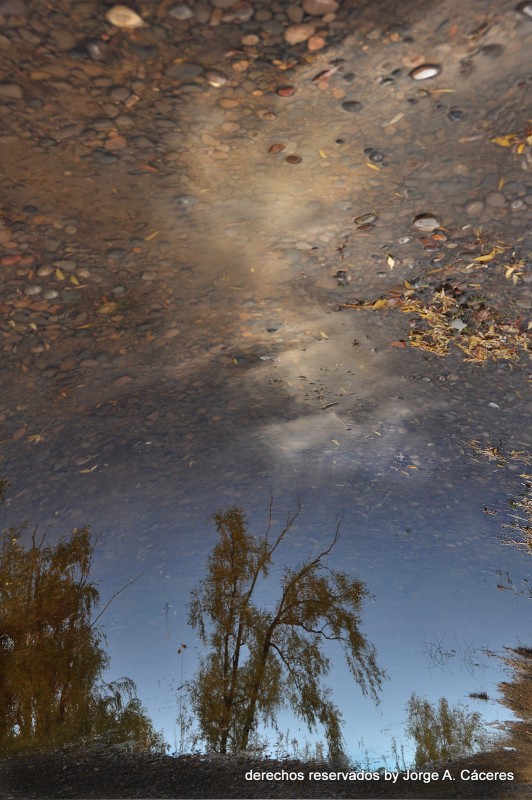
(520, 148)
(33, 326)
(59, 274)
(74, 280)
(151, 236)
(323, 335)
(503, 141)
(380, 303)
(500, 183)
(88, 325)
(373, 166)
(323, 154)
(509, 272)
(391, 262)
(515, 278)
(335, 442)
(106, 308)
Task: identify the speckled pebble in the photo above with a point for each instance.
(495, 199)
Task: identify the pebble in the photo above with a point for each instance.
(181, 12)
(294, 13)
(425, 222)
(293, 159)
(316, 43)
(425, 71)
(526, 9)
(456, 115)
(275, 148)
(124, 17)
(13, 8)
(352, 105)
(474, 208)
(11, 91)
(184, 71)
(495, 199)
(295, 34)
(32, 290)
(318, 8)
(366, 219)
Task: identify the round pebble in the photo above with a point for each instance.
(495, 199)
(181, 12)
(474, 208)
(456, 115)
(50, 294)
(352, 105)
(275, 148)
(426, 222)
(295, 34)
(123, 17)
(32, 290)
(425, 71)
(215, 78)
(293, 159)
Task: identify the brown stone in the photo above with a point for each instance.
(295, 34)
(318, 8)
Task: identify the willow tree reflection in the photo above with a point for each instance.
(51, 654)
(260, 660)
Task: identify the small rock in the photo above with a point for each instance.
(294, 13)
(11, 91)
(495, 199)
(474, 208)
(455, 115)
(366, 219)
(285, 91)
(180, 12)
(275, 148)
(293, 159)
(250, 40)
(124, 17)
(96, 49)
(524, 8)
(215, 78)
(352, 105)
(122, 380)
(32, 290)
(13, 8)
(426, 222)
(318, 8)
(425, 71)
(316, 43)
(295, 34)
(223, 4)
(184, 71)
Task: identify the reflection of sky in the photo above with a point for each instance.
(436, 605)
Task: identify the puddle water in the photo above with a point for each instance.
(177, 261)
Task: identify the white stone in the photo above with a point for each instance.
(124, 17)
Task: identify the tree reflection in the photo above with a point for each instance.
(517, 696)
(262, 659)
(51, 655)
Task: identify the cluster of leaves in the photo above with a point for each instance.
(443, 318)
(52, 692)
(518, 142)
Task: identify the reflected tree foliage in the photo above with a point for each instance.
(443, 732)
(517, 696)
(51, 654)
(262, 659)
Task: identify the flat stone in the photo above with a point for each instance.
(13, 8)
(495, 199)
(10, 91)
(318, 8)
(183, 72)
